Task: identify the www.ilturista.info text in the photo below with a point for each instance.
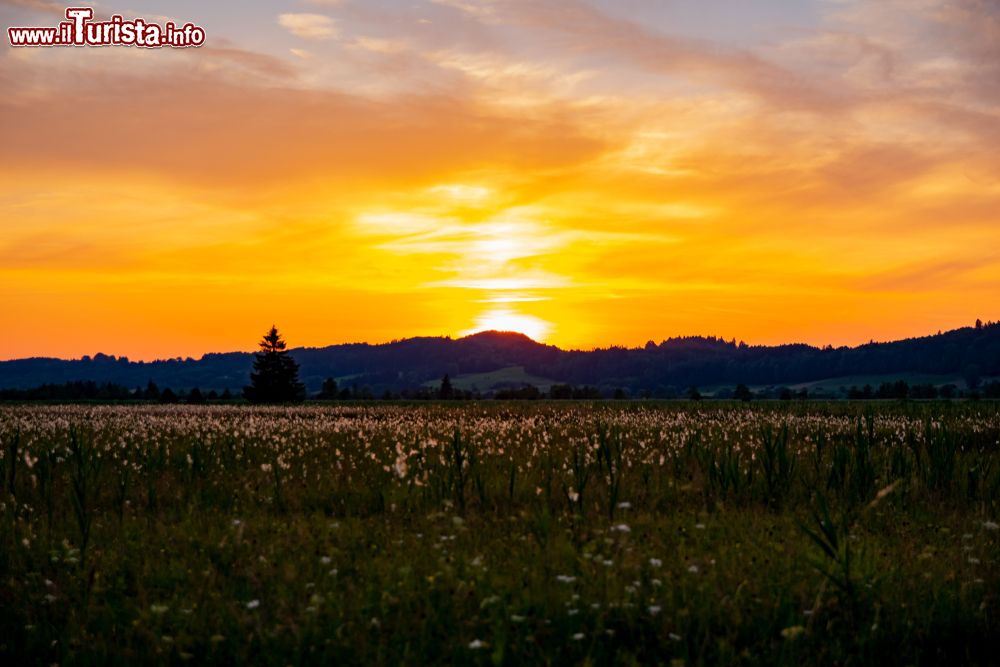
(81, 30)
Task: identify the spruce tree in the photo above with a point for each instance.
(446, 392)
(275, 377)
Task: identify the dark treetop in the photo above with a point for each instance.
(275, 376)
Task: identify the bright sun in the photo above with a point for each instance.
(507, 319)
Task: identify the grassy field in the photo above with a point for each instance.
(503, 534)
(513, 376)
(832, 386)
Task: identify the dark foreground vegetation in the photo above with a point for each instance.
(500, 533)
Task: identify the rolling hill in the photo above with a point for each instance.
(488, 360)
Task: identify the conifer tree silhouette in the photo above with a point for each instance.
(446, 391)
(275, 377)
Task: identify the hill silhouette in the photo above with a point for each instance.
(654, 369)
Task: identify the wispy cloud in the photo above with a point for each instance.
(253, 134)
(309, 26)
(41, 6)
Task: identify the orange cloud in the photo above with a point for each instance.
(308, 26)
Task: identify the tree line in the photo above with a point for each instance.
(275, 380)
(111, 392)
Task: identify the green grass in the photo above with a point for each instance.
(513, 376)
(834, 384)
(501, 534)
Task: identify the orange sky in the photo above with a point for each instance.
(589, 173)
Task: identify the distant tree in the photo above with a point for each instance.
(898, 389)
(110, 391)
(785, 394)
(586, 392)
(693, 394)
(195, 397)
(168, 396)
(88, 390)
(212, 395)
(275, 377)
(979, 325)
(561, 391)
(948, 391)
(226, 394)
(152, 391)
(620, 394)
(328, 391)
(525, 393)
(742, 393)
(972, 376)
(446, 391)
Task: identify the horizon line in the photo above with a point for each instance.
(872, 341)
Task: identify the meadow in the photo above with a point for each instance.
(501, 533)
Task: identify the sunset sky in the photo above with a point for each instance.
(588, 172)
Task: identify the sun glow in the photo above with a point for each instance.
(479, 254)
(461, 193)
(507, 319)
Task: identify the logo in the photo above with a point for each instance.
(81, 30)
